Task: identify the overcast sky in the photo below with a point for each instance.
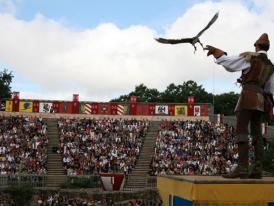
(102, 49)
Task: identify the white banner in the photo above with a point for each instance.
(46, 107)
(197, 111)
(161, 109)
(3, 106)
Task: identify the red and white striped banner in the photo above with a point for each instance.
(87, 109)
(120, 109)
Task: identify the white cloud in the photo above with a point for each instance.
(7, 6)
(103, 62)
(265, 6)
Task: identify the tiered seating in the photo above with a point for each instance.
(23, 142)
(92, 146)
(194, 148)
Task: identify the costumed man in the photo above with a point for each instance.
(257, 81)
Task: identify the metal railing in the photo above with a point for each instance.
(88, 181)
(34, 180)
(83, 181)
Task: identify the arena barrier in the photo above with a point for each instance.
(34, 180)
(90, 181)
(215, 191)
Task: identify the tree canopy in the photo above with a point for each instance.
(225, 103)
(172, 94)
(5, 81)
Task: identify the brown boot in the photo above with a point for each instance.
(242, 170)
(256, 175)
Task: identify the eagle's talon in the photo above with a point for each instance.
(201, 45)
(195, 48)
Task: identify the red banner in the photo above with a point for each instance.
(142, 109)
(104, 109)
(151, 108)
(16, 95)
(94, 108)
(191, 100)
(15, 105)
(113, 108)
(75, 98)
(133, 109)
(133, 99)
(66, 107)
(190, 110)
(75, 107)
(75, 104)
(35, 107)
(56, 106)
(15, 101)
(171, 109)
(204, 110)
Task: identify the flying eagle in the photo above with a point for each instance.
(192, 40)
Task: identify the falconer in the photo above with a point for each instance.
(256, 98)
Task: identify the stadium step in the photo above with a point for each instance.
(56, 173)
(53, 168)
(56, 180)
(138, 177)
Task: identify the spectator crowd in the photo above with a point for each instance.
(23, 142)
(91, 146)
(194, 148)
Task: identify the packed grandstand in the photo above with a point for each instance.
(93, 146)
(107, 145)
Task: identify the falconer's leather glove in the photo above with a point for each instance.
(214, 51)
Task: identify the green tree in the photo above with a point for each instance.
(225, 103)
(5, 81)
(143, 93)
(172, 94)
(191, 88)
(180, 93)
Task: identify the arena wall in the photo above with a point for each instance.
(90, 116)
(231, 120)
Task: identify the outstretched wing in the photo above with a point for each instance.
(174, 41)
(214, 18)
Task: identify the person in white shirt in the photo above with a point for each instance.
(256, 97)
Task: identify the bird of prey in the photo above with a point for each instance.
(192, 40)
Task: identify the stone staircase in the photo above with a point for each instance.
(137, 179)
(56, 174)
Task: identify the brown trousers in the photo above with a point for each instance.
(254, 118)
(246, 117)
